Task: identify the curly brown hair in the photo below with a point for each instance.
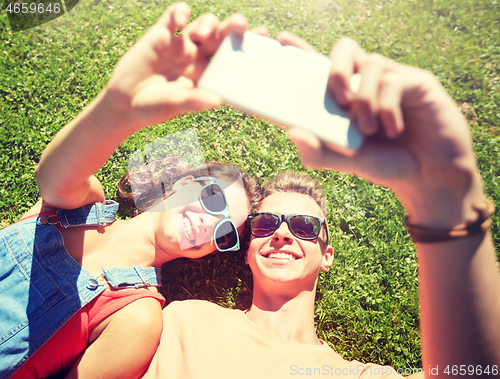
(153, 181)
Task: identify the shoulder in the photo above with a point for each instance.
(194, 311)
(195, 305)
(141, 318)
(144, 308)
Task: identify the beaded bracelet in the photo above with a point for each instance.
(485, 210)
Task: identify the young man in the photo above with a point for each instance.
(425, 156)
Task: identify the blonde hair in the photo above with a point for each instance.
(290, 181)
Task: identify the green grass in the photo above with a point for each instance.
(367, 305)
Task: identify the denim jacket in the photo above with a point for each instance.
(42, 286)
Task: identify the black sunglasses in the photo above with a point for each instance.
(212, 199)
(305, 227)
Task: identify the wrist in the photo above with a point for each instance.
(484, 209)
(445, 207)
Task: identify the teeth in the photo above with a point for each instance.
(189, 228)
(278, 255)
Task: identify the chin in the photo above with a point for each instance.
(289, 280)
(279, 277)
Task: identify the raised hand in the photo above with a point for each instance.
(418, 143)
(156, 79)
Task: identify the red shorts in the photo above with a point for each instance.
(64, 348)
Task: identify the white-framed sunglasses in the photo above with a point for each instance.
(213, 201)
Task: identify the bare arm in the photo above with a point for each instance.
(154, 82)
(426, 158)
(65, 171)
(459, 298)
(126, 344)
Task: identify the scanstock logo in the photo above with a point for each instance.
(25, 14)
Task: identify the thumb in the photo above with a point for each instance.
(316, 155)
(309, 146)
(197, 100)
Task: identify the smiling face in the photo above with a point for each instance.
(283, 258)
(192, 225)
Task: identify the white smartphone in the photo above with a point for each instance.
(282, 84)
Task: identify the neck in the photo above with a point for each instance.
(144, 235)
(289, 316)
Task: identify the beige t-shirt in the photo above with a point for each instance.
(203, 340)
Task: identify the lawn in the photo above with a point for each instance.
(367, 305)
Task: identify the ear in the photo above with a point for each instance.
(327, 261)
(182, 182)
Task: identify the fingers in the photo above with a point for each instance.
(390, 99)
(197, 100)
(365, 101)
(236, 24)
(261, 30)
(176, 17)
(378, 164)
(207, 32)
(201, 29)
(289, 39)
(188, 98)
(184, 101)
(378, 101)
(203, 37)
(315, 155)
(346, 56)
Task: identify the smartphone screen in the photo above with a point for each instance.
(282, 84)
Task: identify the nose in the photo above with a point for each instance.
(208, 221)
(205, 225)
(283, 233)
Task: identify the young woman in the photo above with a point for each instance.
(62, 298)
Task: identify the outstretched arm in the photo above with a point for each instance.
(419, 145)
(155, 81)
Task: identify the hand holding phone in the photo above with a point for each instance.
(283, 84)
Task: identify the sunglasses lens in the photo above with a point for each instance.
(213, 198)
(264, 225)
(226, 236)
(305, 226)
